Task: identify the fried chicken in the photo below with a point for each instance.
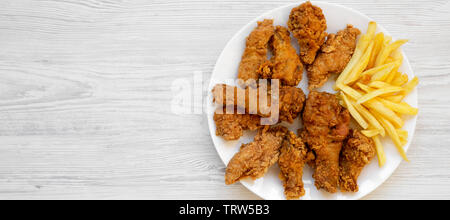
(326, 125)
(307, 23)
(290, 100)
(243, 99)
(356, 153)
(232, 126)
(254, 159)
(285, 63)
(333, 56)
(255, 52)
(292, 160)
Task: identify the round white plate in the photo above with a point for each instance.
(270, 186)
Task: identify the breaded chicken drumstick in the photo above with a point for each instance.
(326, 125)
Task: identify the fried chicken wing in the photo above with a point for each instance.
(356, 153)
(255, 52)
(292, 160)
(254, 159)
(285, 63)
(326, 125)
(232, 126)
(333, 56)
(290, 100)
(307, 23)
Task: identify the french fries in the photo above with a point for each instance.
(382, 75)
(355, 114)
(380, 151)
(372, 89)
(402, 107)
(378, 92)
(360, 66)
(361, 47)
(370, 133)
(386, 50)
(378, 42)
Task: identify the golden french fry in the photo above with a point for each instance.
(378, 42)
(386, 50)
(394, 73)
(372, 27)
(374, 70)
(381, 75)
(380, 84)
(349, 91)
(403, 142)
(400, 80)
(387, 40)
(402, 134)
(376, 106)
(380, 152)
(365, 88)
(392, 132)
(389, 60)
(369, 117)
(378, 92)
(409, 86)
(382, 55)
(394, 98)
(397, 54)
(358, 118)
(402, 108)
(361, 47)
(360, 66)
(370, 133)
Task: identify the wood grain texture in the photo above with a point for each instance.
(85, 97)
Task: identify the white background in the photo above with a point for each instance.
(85, 95)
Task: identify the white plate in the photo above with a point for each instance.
(269, 186)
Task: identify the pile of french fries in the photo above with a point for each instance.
(372, 89)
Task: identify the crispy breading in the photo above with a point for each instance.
(290, 100)
(255, 52)
(326, 125)
(333, 56)
(243, 99)
(232, 126)
(285, 63)
(254, 159)
(356, 153)
(291, 162)
(307, 23)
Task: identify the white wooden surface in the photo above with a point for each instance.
(85, 97)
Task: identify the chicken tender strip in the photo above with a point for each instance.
(291, 162)
(255, 52)
(333, 56)
(232, 126)
(290, 100)
(285, 63)
(254, 159)
(307, 23)
(356, 153)
(326, 125)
